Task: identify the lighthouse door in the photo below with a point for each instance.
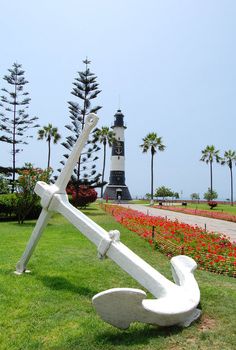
(119, 193)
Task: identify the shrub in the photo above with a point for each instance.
(212, 204)
(85, 196)
(8, 203)
(11, 208)
(4, 185)
(27, 199)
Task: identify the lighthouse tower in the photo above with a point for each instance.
(117, 188)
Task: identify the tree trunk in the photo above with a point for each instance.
(13, 161)
(83, 112)
(211, 185)
(152, 156)
(231, 186)
(14, 146)
(49, 152)
(103, 168)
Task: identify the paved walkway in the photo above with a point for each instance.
(215, 225)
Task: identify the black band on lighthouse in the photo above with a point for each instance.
(118, 148)
(117, 178)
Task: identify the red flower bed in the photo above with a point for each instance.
(207, 213)
(213, 252)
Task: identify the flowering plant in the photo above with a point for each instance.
(207, 213)
(83, 196)
(212, 204)
(212, 251)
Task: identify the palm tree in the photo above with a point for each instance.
(104, 136)
(209, 154)
(154, 143)
(49, 133)
(229, 159)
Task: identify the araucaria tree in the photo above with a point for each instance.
(15, 122)
(230, 159)
(85, 90)
(105, 136)
(154, 143)
(50, 133)
(209, 154)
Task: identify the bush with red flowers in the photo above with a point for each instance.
(84, 196)
(212, 204)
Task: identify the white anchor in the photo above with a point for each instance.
(176, 303)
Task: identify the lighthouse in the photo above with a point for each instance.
(117, 189)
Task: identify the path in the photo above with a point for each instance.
(215, 225)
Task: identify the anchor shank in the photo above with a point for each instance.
(136, 267)
(141, 271)
(89, 228)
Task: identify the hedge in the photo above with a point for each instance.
(11, 208)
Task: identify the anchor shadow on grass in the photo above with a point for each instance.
(137, 334)
(93, 213)
(63, 284)
(28, 224)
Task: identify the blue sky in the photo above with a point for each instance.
(172, 62)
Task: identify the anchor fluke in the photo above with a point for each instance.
(119, 306)
(122, 306)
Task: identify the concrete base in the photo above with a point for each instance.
(21, 273)
(112, 192)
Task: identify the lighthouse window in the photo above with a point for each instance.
(118, 138)
(118, 157)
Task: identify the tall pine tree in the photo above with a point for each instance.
(14, 120)
(85, 89)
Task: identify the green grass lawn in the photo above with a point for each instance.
(225, 208)
(51, 308)
(140, 201)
